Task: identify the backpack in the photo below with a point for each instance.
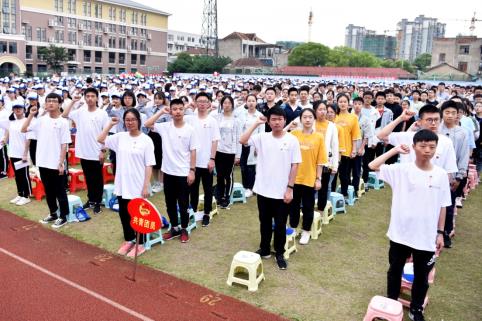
(81, 214)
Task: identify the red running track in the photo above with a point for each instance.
(45, 275)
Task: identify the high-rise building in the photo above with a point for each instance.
(179, 41)
(416, 37)
(381, 46)
(354, 36)
(100, 36)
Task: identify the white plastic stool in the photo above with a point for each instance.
(252, 263)
(214, 207)
(328, 213)
(290, 244)
(316, 225)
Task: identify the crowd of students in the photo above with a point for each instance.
(292, 140)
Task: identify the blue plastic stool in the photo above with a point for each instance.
(191, 225)
(374, 182)
(351, 195)
(238, 194)
(156, 237)
(337, 202)
(114, 204)
(107, 194)
(74, 202)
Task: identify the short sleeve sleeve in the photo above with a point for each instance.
(396, 139)
(296, 154)
(149, 157)
(112, 142)
(388, 173)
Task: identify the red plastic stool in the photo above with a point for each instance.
(384, 308)
(10, 170)
(76, 180)
(38, 190)
(73, 160)
(108, 173)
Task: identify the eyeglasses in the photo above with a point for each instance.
(432, 120)
(51, 100)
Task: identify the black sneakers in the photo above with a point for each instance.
(59, 223)
(97, 209)
(264, 255)
(49, 219)
(282, 264)
(88, 205)
(416, 315)
(205, 220)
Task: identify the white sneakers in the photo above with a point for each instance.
(157, 187)
(305, 237)
(15, 200)
(248, 193)
(19, 200)
(23, 201)
(458, 202)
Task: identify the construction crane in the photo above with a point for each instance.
(310, 24)
(472, 23)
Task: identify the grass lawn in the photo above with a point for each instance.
(332, 278)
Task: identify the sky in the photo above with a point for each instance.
(274, 20)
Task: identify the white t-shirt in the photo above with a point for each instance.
(89, 126)
(51, 134)
(16, 139)
(177, 144)
(275, 157)
(444, 155)
(229, 128)
(417, 197)
(133, 155)
(207, 131)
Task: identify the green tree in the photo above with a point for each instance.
(309, 54)
(55, 57)
(198, 64)
(423, 61)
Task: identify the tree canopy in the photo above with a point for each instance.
(309, 54)
(423, 61)
(197, 64)
(55, 57)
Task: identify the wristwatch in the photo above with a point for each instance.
(440, 232)
(289, 186)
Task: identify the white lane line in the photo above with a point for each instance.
(77, 286)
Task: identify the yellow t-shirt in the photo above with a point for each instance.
(351, 130)
(322, 126)
(313, 153)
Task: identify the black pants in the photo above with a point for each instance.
(94, 179)
(3, 162)
(22, 179)
(423, 262)
(202, 174)
(224, 171)
(248, 172)
(176, 192)
(129, 233)
(268, 209)
(344, 174)
(55, 191)
(355, 170)
(33, 151)
(367, 158)
(306, 195)
(323, 192)
(157, 141)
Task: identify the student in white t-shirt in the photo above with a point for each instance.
(53, 137)
(3, 142)
(89, 121)
(12, 128)
(277, 164)
(207, 131)
(179, 145)
(421, 193)
(135, 158)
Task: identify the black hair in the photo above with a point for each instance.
(136, 113)
(276, 111)
(427, 109)
(389, 91)
(68, 94)
(399, 95)
(477, 96)
(380, 93)
(257, 87)
(129, 93)
(177, 101)
(311, 110)
(317, 104)
(245, 89)
(367, 93)
(334, 107)
(203, 94)
(55, 96)
(425, 135)
(330, 91)
(341, 96)
(270, 88)
(291, 90)
(449, 104)
(405, 100)
(184, 99)
(227, 98)
(304, 88)
(358, 99)
(252, 95)
(441, 83)
(416, 91)
(91, 90)
(160, 95)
